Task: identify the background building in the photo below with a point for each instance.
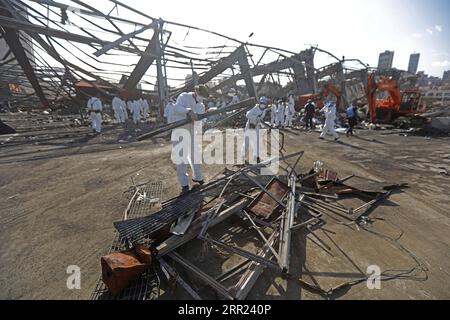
(446, 76)
(385, 60)
(413, 63)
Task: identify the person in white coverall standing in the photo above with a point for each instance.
(95, 108)
(330, 117)
(290, 111)
(252, 127)
(188, 105)
(145, 108)
(273, 114)
(280, 114)
(118, 107)
(136, 109)
(169, 111)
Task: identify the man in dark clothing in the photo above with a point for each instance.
(352, 117)
(310, 111)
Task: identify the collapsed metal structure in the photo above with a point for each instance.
(53, 45)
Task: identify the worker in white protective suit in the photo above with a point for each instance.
(95, 108)
(169, 111)
(280, 114)
(145, 108)
(252, 130)
(289, 112)
(188, 106)
(124, 114)
(124, 111)
(118, 107)
(330, 117)
(136, 110)
(273, 113)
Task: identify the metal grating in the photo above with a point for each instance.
(140, 228)
(146, 287)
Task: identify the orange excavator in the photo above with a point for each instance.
(399, 103)
(319, 98)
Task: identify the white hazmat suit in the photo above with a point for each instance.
(95, 107)
(289, 112)
(280, 114)
(186, 102)
(118, 105)
(169, 112)
(145, 108)
(136, 109)
(252, 131)
(273, 114)
(330, 117)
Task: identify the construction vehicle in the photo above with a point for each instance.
(398, 104)
(319, 98)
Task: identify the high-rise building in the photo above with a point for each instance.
(386, 59)
(413, 63)
(446, 76)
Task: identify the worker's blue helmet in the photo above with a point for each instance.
(264, 100)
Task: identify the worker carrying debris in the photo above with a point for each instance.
(119, 108)
(251, 134)
(188, 105)
(289, 111)
(330, 117)
(95, 107)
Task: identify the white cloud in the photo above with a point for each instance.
(444, 63)
(417, 35)
(429, 31)
(438, 28)
(434, 53)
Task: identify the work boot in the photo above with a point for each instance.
(200, 182)
(185, 190)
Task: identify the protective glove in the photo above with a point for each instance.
(192, 116)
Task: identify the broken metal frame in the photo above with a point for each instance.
(174, 274)
(286, 226)
(240, 252)
(248, 279)
(218, 287)
(302, 60)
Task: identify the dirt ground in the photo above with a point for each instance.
(61, 193)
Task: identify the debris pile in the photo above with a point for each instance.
(269, 207)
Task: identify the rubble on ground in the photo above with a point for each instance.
(270, 207)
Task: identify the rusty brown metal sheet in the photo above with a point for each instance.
(327, 175)
(263, 205)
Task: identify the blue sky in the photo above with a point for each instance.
(351, 28)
